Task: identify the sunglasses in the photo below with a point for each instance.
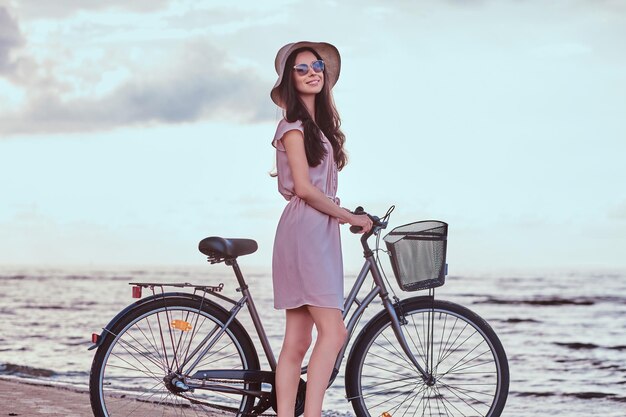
(303, 69)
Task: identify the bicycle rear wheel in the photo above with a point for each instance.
(467, 362)
(133, 370)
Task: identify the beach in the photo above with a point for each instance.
(563, 334)
(19, 398)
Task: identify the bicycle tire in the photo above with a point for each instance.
(470, 365)
(141, 349)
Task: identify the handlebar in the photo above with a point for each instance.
(377, 223)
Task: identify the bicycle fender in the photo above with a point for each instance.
(383, 315)
(107, 330)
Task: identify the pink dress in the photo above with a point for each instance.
(307, 266)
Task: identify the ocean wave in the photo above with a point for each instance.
(514, 320)
(579, 345)
(78, 305)
(588, 395)
(595, 395)
(12, 277)
(553, 301)
(534, 394)
(22, 370)
(7, 311)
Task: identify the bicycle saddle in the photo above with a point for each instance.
(227, 248)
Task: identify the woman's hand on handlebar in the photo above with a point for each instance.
(361, 221)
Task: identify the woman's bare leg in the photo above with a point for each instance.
(298, 328)
(331, 334)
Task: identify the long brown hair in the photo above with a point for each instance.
(326, 116)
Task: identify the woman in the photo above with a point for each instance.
(307, 263)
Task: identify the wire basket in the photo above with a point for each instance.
(418, 254)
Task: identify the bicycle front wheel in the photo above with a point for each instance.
(468, 365)
(136, 369)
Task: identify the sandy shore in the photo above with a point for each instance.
(22, 398)
(19, 398)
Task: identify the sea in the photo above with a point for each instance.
(564, 332)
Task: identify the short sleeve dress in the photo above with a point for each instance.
(307, 265)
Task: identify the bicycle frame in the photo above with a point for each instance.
(370, 266)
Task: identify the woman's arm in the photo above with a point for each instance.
(296, 156)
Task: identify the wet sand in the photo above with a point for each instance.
(23, 398)
(19, 398)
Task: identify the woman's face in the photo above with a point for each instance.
(310, 83)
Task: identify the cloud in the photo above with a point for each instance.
(64, 8)
(10, 39)
(199, 85)
(115, 79)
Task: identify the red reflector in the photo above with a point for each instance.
(136, 291)
(95, 337)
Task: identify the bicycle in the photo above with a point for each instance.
(183, 353)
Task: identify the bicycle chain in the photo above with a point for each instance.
(223, 407)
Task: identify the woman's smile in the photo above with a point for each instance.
(312, 82)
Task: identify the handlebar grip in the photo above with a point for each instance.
(355, 229)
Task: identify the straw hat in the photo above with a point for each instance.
(329, 54)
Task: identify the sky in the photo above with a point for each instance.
(130, 130)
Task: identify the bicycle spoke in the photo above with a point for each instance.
(148, 374)
(459, 366)
(137, 369)
(397, 352)
(449, 350)
(208, 359)
(423, 389)
(384, 369)
(153, 347)
(422, 402)
(466, 391)
(459, 370)
(453, 391)
(437, 404)
(445, 347)
(145, 354)
(417, 349)
(387, 360)
(443, 333)
(409, 406)
(471, 350)
(196, 330)
(457, 352)
(389, 399)
(417, 333)
(412, 395)
(140, 399)
(389, 380)
(171, 337)
(386, 390)
(443, 400)
(189, 336)
(157, 348)
(204, 345)
(123, 344)
(430, 411)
